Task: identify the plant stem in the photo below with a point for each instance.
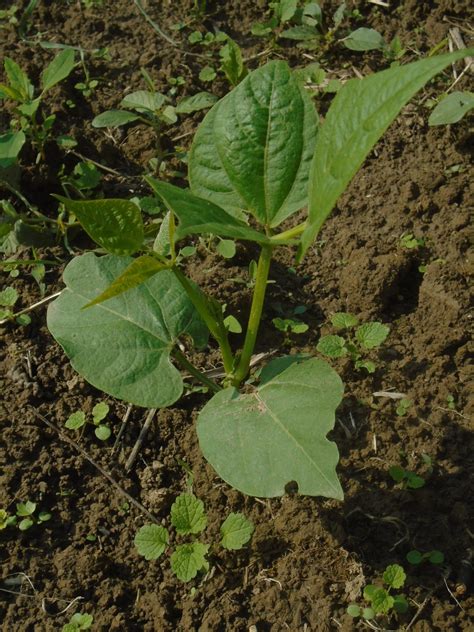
(289, 234)
(184, 362)
(213, 321)
(263, 269)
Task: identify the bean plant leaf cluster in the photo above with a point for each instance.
(258, 157)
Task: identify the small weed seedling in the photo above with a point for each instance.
(78, 622)
(100, 411)
(410, 242)
(408, 479)
(29, 123)
(189, 519)
(452, 108)
(24, 517)
(403, 406)
(359, 340)
(416, 557)
(383, 603)
(258, 158)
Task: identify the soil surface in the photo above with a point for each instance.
(309, 558)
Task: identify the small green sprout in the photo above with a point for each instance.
(450, 402)
(407, 478)
(416, 557)
(25, 511)
(78, 622)
(410, 242)
(403, 406)
(357, 342)
(382, 602)
(188, 518)
(78, 419)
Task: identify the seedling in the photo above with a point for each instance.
(78, 622)
(409, 241)
(30, 123)
(452, 108)
(359, 340)
(383, 603)
(257, 154)
(408, 479)
(403, 406)
(450, 402)
(416, 557)
(154, 109)
(79, 419)
(26, 513)
(364, 39)
(189, 518)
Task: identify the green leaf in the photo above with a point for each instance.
(414, 481)
(3, 519)
(188, 515)
(86, 176)
(414, 557)
(18, 79)
(123, 346)
(226, 248)
(359, 115)
(102, 432)
(344, 320)
(354, 610)
(252, 152)
(25, 524)
(400, 604)
(114, 118)
(60, 68)
(139, 271)
(232, 62)
(207, 74)
(436, 557)
(196, 102)
(100, 412)
(397, 473)
(371, 335)
(369, 591)
(188, 559)
(394, 576)
(382, 602)
(257, 444)
(116, 225)
(452, 108)
(10, 147)
(232, 324)
(25, 509)
(302, 33)
(198, 215)
(44, 516)
(8, 297)
(142, 100)
(75, 420)
(151, 541)
(368, 365)
(368, 613)
(332, 346)
(364, 39)
(82, 621)
(286, 9)
(236, 531)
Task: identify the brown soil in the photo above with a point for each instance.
(309, 558)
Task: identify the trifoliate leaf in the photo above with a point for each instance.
(344, 320)
(371, 335)
(76, 420)
(151, 541)
(332, 346)
(187, 514)
(188, 559)
(394, 576)
(236, 530)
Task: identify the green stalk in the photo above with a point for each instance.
(213, 322)
(199, 375)
(292, 233)
(263, 269)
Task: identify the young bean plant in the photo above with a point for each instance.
(258, 157)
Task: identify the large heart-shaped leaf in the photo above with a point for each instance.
(357, 118)
(261, 441)
(198, 215)
(253, 150)
(123, 346)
